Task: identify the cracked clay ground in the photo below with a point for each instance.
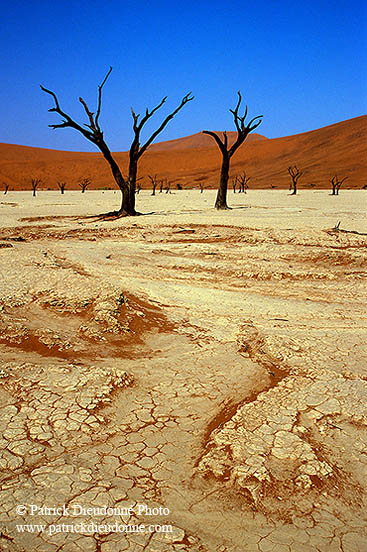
(200, 373)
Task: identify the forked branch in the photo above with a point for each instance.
(95, 134)
(295, 175)
(138, 125)
(336, 184)
(243, 129)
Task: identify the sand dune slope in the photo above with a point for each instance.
(336, 149)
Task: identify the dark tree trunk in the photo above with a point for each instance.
(153, 180)
(127, 207)
(227, 151)
(221, 201)
(295, 175)
(133, 174)
(336, 184)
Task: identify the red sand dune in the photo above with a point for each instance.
(336, 149)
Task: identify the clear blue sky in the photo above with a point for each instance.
(302, 64)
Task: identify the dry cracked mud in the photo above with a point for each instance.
(200, 373)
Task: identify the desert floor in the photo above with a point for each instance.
(208, 363)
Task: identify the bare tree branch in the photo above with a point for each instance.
(336, 184)
(184, 101)
(100, 98)
(243, 130)
(90, 114)
(295, 174)
(68, 121)
(216, 138)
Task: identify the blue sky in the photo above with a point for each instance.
(300, 64)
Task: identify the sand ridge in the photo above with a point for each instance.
(339, 149)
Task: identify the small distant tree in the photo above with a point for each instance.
(84, 183)
(243, 181)
(168, 187)
(336, 184)
(234, 183)
(201, 187)
(179, 186)
(6, 188)
(62, 186)
(227, 152)
(295, 175)
(161, 182)
(154, 182)
(35, 182)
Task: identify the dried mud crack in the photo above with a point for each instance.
(210, 372)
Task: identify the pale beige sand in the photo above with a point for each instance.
(212, 363)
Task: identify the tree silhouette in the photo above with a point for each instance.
(295, 175)
(336, 184)
(62, 186)
(243, 130)
(84, 183)
(94, 134)
(154, 182)
(234, 183)
(243, 180)
(35, 183)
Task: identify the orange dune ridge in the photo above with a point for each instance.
(339, 149)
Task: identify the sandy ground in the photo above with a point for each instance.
(200, 373)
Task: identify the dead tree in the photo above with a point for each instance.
(136, 150)
(336, 184)
(6, 188)
(234, 183)
(201, 187)
(94, 134)
(161, 186)
(84, 183)
(295, 175)
(62, 186)
(168, 187)
(154, 182)
(227, 152)
(35, 183)
(243, 182)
